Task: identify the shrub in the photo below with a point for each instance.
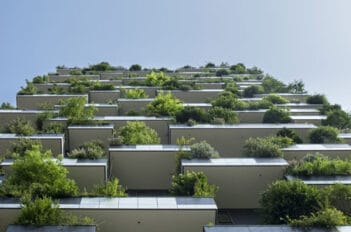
(181, 154)
(328, 217)
(202, 150)
(284, 200)
(110, 189)
(37, 174)
(266, 147)
(275, 99)
(100, 67)
(75, 110)
(7, 106)
(192, 184)
(210, 65)
(222, 72)
(276, 115)
(339, 196)
(102, 86)
(262, 104)
(54, 128)
(252, 90)
(297, 86)
(56, 90)
(320, 166)
(317, 99)
(44, 116)
(227, 115)
(272, 85)
(20, 147)
(231, 87)
(75, 72)
(238, 68)
(164, 105)
(285, 132)
(135, 67)
(194, 113)
(89, 150)
(156, 78)
(40, 79)
(337, 118)
(30, 89)
(138, 133)
(226, 100)
(21, 126)
(134, 93)
(324, 134)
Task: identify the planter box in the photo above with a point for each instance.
(105, 109)
(204, 85)
(157, 214)
(53, 142)
(86, 173)
(128, 80)
(150, 91)
(346, 137)
(322, 181)
(298, 151)
(229, 140)
(236, 189)
(35, 102)
(30, 228)
(63, 78)
(194, 96)
(78, 135)
(290, 96)
(111, 75)
(269, 228)
(66, 71)
(205, 106)
(300, 106)
(137, 105)
(44, 87)
(144, 167)
(312, 119)
(103, 96)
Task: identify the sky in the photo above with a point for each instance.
(289, 39)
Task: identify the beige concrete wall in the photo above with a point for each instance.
(80, 134)
(8, 216)
(289, 96)
(136, 105)
(251, 116)
(195, 96)
(53, 143)
(63, 78)
(66, 71)
(299, 106)
(106, 110)
(229, 141)
(103, 96)
(316, 120)
(149, 169)
(44, 87)
(7, 116)
(34, 102)
(299, 154)
(240, 186)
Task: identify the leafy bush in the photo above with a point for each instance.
(89, 150)
(266, 147)
(102, 86)
(30, 89)
(192, 184)
(272, 85)
(317, 99)
(44, 116)
(252, 90)
(7, 106)
(202, 150)
(227, 115)
(285, 200)
(275, 99)
(328, 217)
(100, 67)
(134, 93)
(135, 67)
(231, 87)
(276, 115)
(20, 147)
(262, 104)
(285, 132)
(222, 72)
(75, 110)
(339, 196)
(40, 79)
(164, 105)
(138, 133)
(54, 128)
(156, 78)
(75, 72)
(37, 174)
(320, 166)
(110, 189)
(210, 65)
(56, 90)
(324, 134)
(194, 113)
(21, 126)
(238, 68)
(226, 100)
(337, 118)
(297, 86)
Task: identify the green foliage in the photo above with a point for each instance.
(40, 79)
(135, 67)
(19, 148)
(210, 65)
(222, 72)
(101, 86)
(89, 150)
(320, 166)
(238, 68)
(138, 133)
(30, 89)
(339, 196)
(181, 154)
(297, 86)
(164, 105)
(20, 126)
(75, 110)
(7, 106)
(156, 78)
(275, 99)
(194, 113)
(285, 132)
(38, 175)
(272, 85)
(252, 90)
(324, 134)
(276, 115)
(134, 93)
(285, 200)
(192, 184)
(76, 72)
(202, 150)
(328, 217)
(337, 118)
(226, 100)
(100, 67)
(227, 115)
(231, 87)
(56, 90)
(110, 189)
(54, 128)
(44, 116)
(266, 147)
(317, 99)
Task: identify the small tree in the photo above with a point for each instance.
(226, 100)
(21, 126)
(192, 184)
(194, 113)
(276, 115)
(30, 89)
(285, 132)
(135, 67)
(202, 150)
(20, 147)
(272, 85)
(156, 78)
(138, 133)
(238, 68)
(317, 99)
(222, 72)
(7, 106)
(231, 87)
(338, 118)
(227, 115)
(324, 134)
(164, 105)
(75, 110)
(252, 90)
(110, 189)
(297, 86)
(134, 93)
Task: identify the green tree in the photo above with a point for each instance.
(202, 150)
(285, 132)
(324, 134)
(156, 78)
(135, 67)
(226, 100)
(164, 105)
(276, 115)
(266, 147)
(238, 68)
(297, 86)
(317, 99)
(194, 113)
(227, 115)
(89, 150)
(30, 89)
(272, 85)
(138, 133)
(134, 93)
(75, 110)
(337, 118)
(252, 90)
(110, 189)
(20, 126)
(7, 106)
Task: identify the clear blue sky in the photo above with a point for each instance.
(290, 39)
